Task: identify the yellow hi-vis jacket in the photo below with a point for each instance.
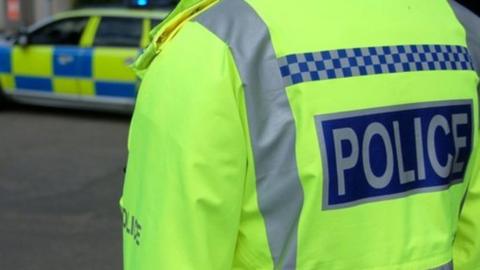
(306, 135)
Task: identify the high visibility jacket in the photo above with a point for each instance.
(306, 135)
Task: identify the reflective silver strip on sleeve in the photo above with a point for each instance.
(471, 22)
(270, 120)
(448, 266)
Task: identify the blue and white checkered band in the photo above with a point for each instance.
(344, 63)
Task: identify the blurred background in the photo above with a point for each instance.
(62, 163)
(15, 14)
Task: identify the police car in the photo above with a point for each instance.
(78, 59)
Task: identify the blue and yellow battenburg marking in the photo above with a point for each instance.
(391, 152)
(67, 70)
(113, 76)
(345, 63)
(6, 79)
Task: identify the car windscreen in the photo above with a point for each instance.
(119, 32)
(156, 22)
(62, 32)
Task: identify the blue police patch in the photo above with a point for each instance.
(393, 152)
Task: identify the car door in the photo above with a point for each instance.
(49, 63)
(116, 45)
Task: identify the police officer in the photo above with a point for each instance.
(306, 135)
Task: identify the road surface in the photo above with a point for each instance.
(61, 175)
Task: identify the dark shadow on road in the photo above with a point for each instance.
(66, 112)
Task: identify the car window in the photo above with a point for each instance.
(119, 32)
(62, 32)
(155, 22)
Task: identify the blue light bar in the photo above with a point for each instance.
(142, 3)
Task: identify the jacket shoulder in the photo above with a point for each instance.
(185, 11)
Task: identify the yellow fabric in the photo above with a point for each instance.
(467, 241)
(408, 226)
(186, 172)
(190, 198)
(417, 225)
(164, 32)
(345, 24)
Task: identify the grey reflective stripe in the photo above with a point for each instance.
(448, 266)
(471, 22)
(352, 62)
(271, 124)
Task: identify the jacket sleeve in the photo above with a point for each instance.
(467, 240)
(187, 159)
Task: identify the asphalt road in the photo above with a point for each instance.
(61, 175)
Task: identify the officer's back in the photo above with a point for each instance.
(308, 135)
